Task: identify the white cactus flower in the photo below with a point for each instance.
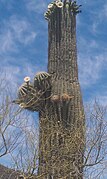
(59, 4)
(57, 1)
(27, 79)
(21, 105)
(48, 11)
(50, 6)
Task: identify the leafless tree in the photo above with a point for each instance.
(9, 116)
(17, 135)
(95, 154)
(96, 141)
(26, 157)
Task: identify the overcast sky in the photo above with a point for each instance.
(24, 47)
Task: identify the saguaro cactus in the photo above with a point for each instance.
(57, 97)
(65, 107)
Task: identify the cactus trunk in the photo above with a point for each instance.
(62, 125)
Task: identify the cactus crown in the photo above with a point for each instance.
(59, 4)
